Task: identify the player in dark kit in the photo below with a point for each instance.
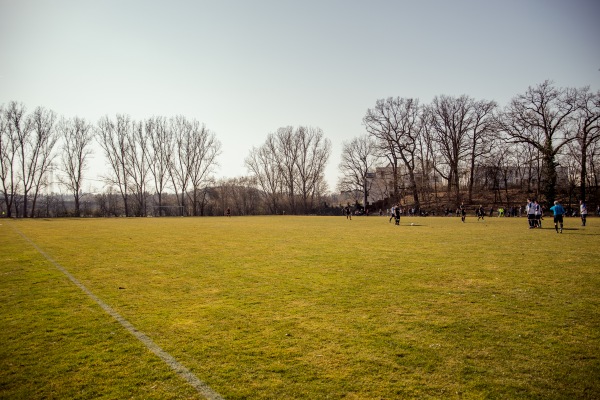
(463, 213)
(480, 213)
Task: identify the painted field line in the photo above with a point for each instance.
(175, 365)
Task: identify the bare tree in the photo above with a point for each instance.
(77, 137)
(541, 117)
(594, 166)
(36, 143)
(246, 198)
(262, 164)
(196, 150)
(427, 155)
(160, 154)
(290, 165)
(181, 160)
(568, 179)
(12, 122)
(452, 121)
(113, 137)
(530, 163)
(313, 154)
(223, 198)
(397, 123)
(138, 165)
(394, 122)
(359, 157)
(588, 131)
(285, 147)
(205, 148)
(481, 136)
(499, 166)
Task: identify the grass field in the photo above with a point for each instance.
(301, 308)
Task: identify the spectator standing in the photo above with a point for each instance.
(583, 212)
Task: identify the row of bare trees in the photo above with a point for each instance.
(289, 168)
(176, 154)
(457, 145)
(26, 144)
(462, 141)
(158, 166)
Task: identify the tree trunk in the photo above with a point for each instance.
(548, 174)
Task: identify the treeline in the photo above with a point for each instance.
(158, 166)
(543, 144)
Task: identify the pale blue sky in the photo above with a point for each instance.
(246, 68)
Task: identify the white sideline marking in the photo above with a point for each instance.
(175, 365)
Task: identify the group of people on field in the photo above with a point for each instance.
(533, 209)
(535, 212)
(395, 214)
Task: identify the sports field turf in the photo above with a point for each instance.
(300, 308)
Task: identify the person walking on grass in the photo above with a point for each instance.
(558, 212)
(463, 212)
(397, 215)
(348, 213)
(583, 212)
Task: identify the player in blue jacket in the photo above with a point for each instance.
(558, 212)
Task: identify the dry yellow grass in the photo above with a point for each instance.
(302, 307)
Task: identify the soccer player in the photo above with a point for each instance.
(538, 214)
(348, 212)
(558, 212)
(480, 213)
(530, 208)
(463, 212)
(583, 212)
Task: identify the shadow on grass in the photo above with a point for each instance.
(572, 230)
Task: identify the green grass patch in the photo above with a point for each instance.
(302, 307)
